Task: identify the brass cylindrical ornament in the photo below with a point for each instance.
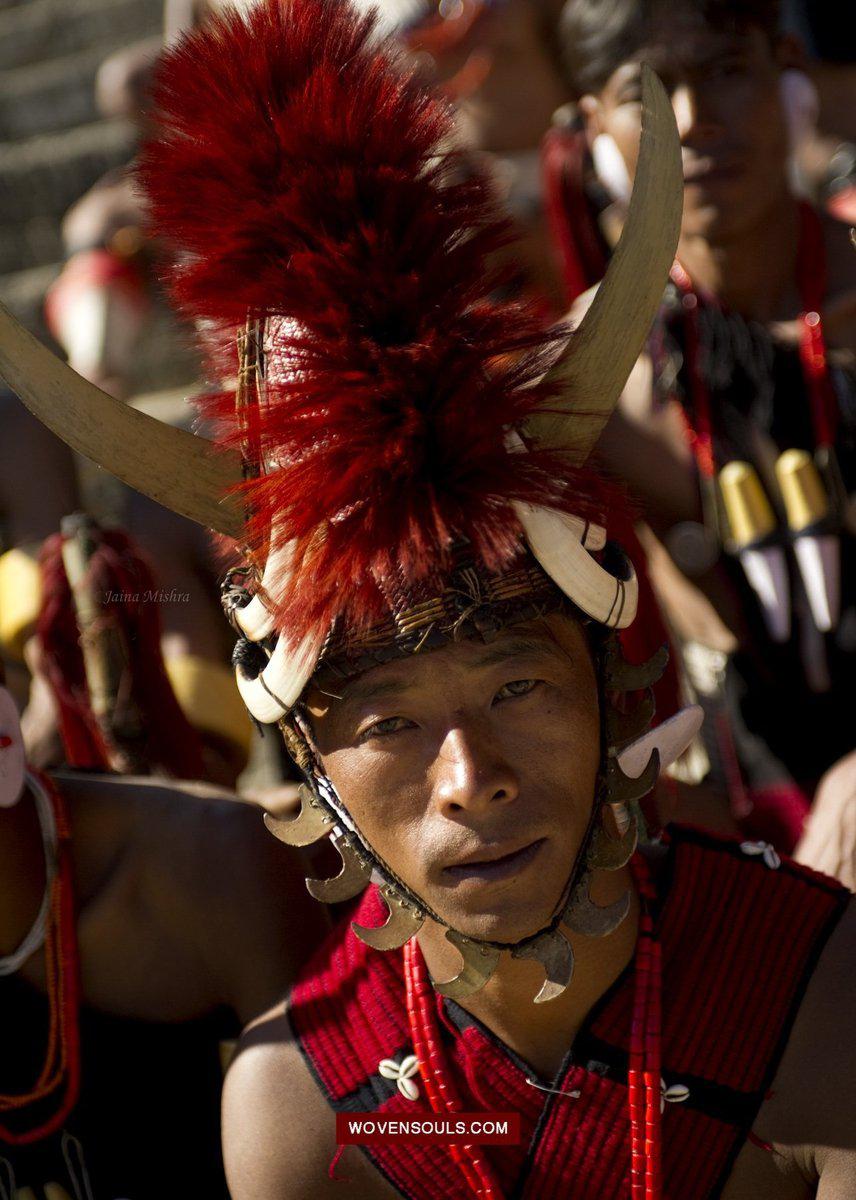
(750, 514)
(805, 498)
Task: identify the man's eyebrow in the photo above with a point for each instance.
(359, 692)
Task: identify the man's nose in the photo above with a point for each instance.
(693, 114)
(472, 773)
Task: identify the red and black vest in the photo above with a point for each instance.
(740, 935)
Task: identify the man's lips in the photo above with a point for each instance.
(710, 170)
(493, 863)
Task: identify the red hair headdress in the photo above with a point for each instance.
(301, 175)
(303, 182)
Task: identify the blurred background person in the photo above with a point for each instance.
(736, 433)
(105, 309)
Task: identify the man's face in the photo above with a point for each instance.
(502, 79)
(471, 771)
(725, 92)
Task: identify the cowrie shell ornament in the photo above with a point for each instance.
(676, 1094)
(764, 851)
(402, 1073)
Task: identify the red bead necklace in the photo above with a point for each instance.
(643, 1077)
(60, 1073)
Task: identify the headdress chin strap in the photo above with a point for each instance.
(632, 759)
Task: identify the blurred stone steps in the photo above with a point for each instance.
(50, 96)
(39, 30)
(41, 176)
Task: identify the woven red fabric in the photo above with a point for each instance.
(739, 941)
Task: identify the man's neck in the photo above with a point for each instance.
(542, 1034)
(754, 272)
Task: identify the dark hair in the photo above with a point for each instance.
(597, 36)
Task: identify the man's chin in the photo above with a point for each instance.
(508, 923)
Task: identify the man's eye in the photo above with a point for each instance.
(517, 687)
(387, 726)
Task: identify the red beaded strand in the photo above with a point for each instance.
(60, 1072)
(643, 1077)
(644, 1073)
(442, 1095)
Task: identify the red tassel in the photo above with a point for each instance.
(116, 568)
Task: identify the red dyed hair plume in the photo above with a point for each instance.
(300, 173)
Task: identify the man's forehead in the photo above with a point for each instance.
(469, 654)
(686, 43)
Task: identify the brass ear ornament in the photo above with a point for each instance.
(480, 962)
(622, 676)
(625, 727)
(556, 955)
(403, 921)
(625, 789)
(351, 880)
(310, 824)
(609, 853)
(585, 917)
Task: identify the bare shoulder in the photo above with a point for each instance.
(829, 841)
(279, 1134)
(191, 872)
(810, 1116)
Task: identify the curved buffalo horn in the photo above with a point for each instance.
(480, 962)
(553, 951)
(591, 373)
(402, 922)
(180, 470)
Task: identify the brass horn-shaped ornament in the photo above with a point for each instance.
(625, 727)
(180, 470)
(622, 676)
(624, 789)
(480, 962)
(351, 880)
(612, 853)
(585, 917)
(403, 921)
(591, 374)
(310, 824)
(555, 954)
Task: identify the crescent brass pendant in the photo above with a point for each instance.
(625, 727)
(609, 853)
(622, 676)
(624, 789)
(480, 962)
(585, 917)
(310, 824)
(353, 877)
(403, 921)
(555, 954)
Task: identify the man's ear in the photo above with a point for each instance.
(591, 111)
